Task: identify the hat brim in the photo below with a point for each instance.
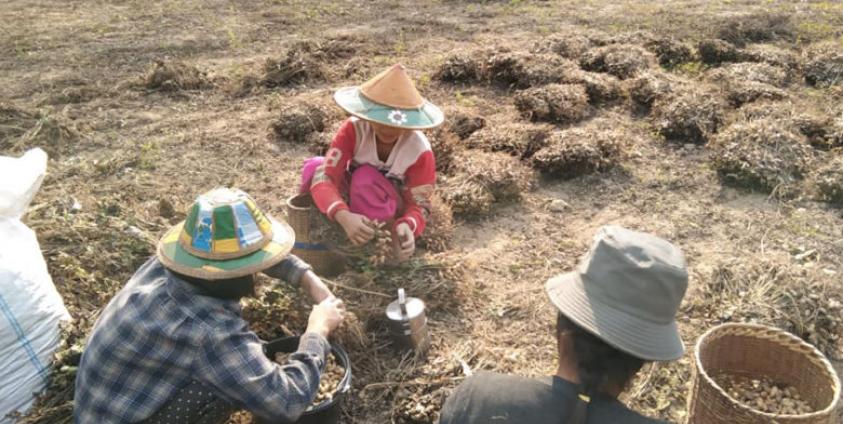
(355, 103)
(638, 337)
(176, 258)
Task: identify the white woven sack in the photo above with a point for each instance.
(30, 306)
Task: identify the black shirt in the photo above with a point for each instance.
(489, 398)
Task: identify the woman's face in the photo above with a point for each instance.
(387, 134)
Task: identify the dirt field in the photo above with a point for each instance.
(717, 125)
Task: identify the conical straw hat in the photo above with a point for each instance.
(390, 98)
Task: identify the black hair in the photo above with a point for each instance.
(229, 289)
(601, 367)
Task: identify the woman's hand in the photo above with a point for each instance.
(326, 316)
(358, 228)
(405, 242)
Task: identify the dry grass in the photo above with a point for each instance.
(21, 128)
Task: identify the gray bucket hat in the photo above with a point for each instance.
(627, 291)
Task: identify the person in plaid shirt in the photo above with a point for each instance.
(172, 346)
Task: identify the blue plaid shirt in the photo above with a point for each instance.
(159, 333)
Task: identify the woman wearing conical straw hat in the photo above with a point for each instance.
(380, 166)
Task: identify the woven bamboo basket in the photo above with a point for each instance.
(302, 216)
(760, 351)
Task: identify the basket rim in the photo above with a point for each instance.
(298, 196)
(729, 328)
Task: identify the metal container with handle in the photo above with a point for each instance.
(408, 322)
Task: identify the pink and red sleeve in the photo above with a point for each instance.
(331, 174)
(419, 182)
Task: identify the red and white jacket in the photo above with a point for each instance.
(411, 162)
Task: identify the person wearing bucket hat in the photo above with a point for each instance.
(380, 166)
(172, 347)
(614, 313)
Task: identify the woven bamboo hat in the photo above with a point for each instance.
(627, 291)
(390, 98)
(225, 235)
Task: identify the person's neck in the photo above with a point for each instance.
(567, 372)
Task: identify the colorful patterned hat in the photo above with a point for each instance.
(224, 236)
(390, 98)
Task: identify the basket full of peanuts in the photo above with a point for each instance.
(747, 373)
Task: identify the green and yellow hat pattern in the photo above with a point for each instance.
(225, 235)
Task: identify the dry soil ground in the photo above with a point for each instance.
(731, 149)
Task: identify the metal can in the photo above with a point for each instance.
(408, 322)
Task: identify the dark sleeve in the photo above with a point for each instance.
(234, 364)
(291, 269)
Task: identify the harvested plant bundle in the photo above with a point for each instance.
(670, 51)
(689, 116)
(650, 86)
(517, 139)
(772, 55)
(579, 151)
(763, 154)
(523, 70)
(829, 180)
(459, 67)
(482, 179)
(715, 52)
(439, 231)
(558, 103)
(621, 60)
(601, 88)
(824, 64)
(747, 82)
(294, 67)
(464, 124)
(298, 120)
(174, 76)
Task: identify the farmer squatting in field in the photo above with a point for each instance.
(380, 167)
(172, 347)
(616, 312)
